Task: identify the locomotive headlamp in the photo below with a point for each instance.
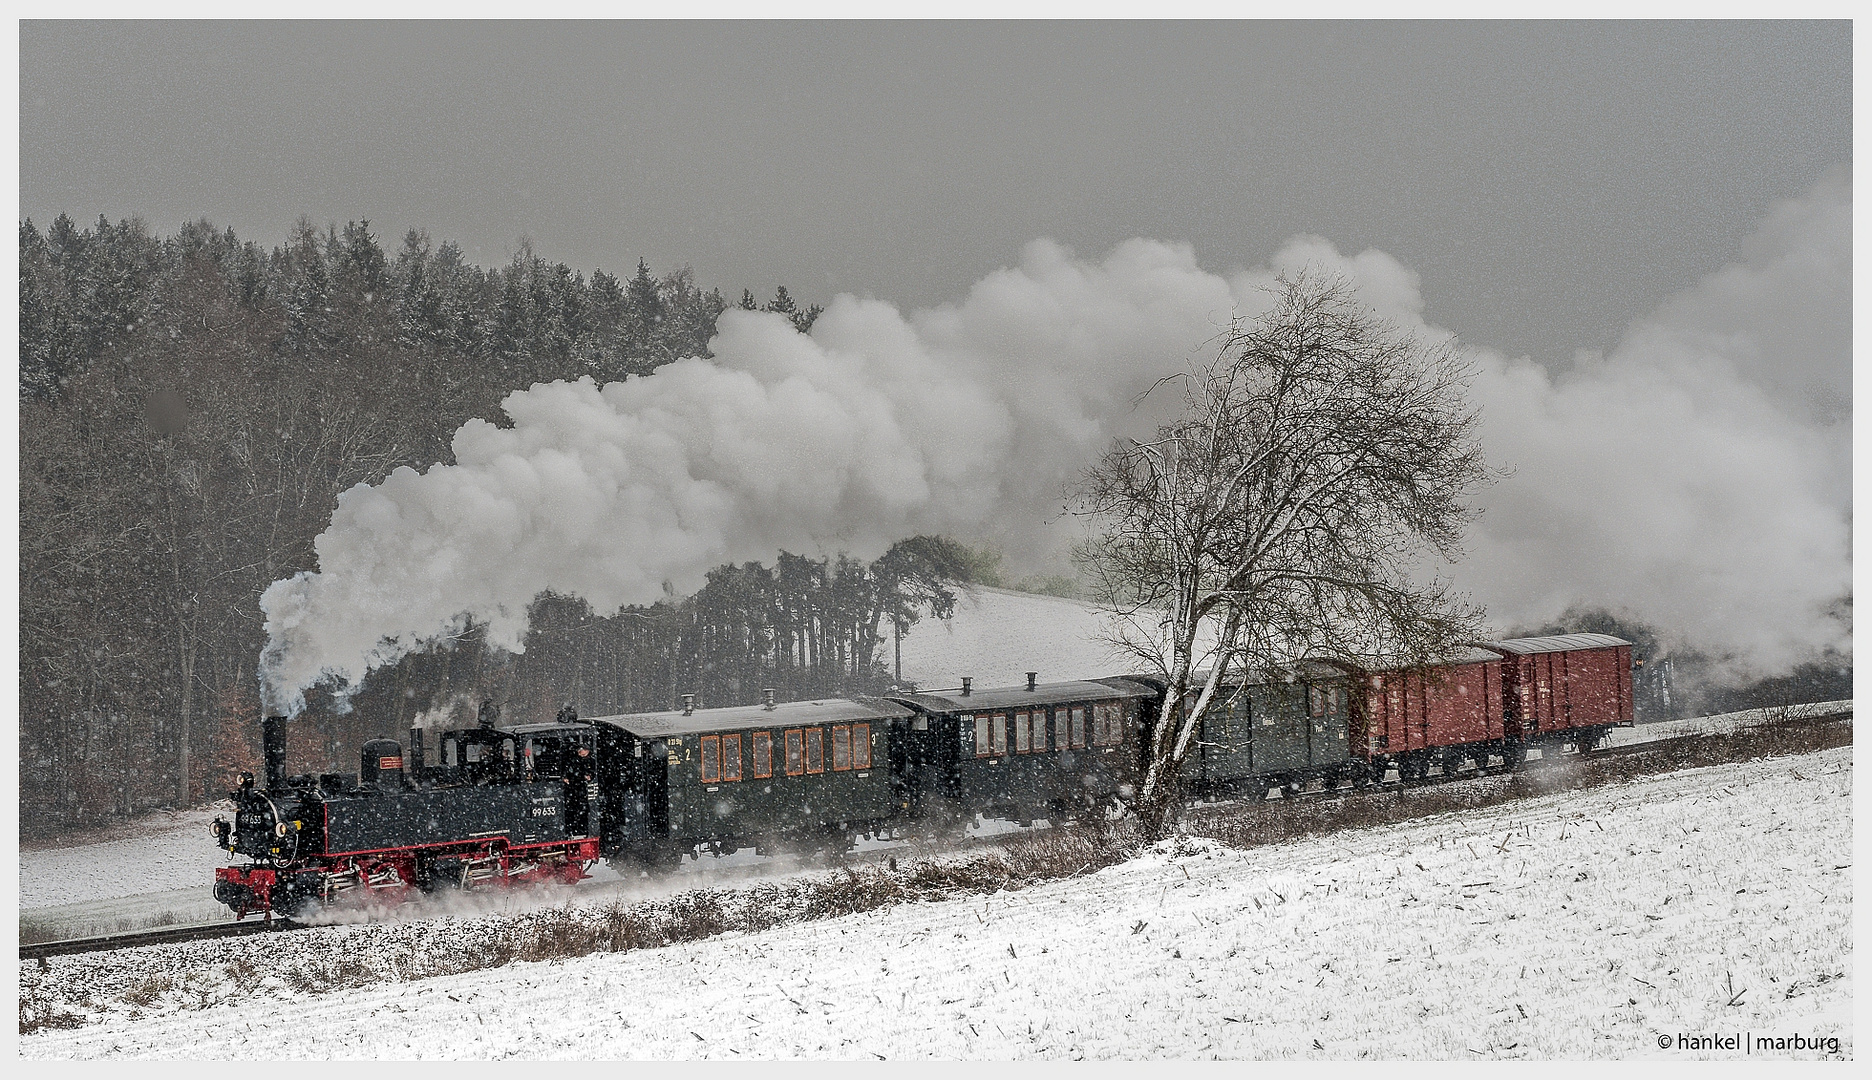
(280, 829)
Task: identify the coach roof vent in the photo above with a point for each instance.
(688, 704)
(768, 693)
(1031, 677)
(965, 685)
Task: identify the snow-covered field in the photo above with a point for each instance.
(1594, 923)
(998, 635)
(1728, 723)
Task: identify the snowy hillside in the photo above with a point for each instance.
(998, 635)
(1588, 924)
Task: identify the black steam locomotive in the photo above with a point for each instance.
(506, 804)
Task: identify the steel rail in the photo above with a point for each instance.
(161, 936)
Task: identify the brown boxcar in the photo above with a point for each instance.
(1409, 717)
(1566, 688)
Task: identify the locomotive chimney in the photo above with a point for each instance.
(965, 685)
(416, 753)
(688, 704)
(768, 693)
(1031, 676)
(273, 748)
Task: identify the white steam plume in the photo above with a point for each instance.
(1694, 478)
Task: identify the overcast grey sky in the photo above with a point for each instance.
(1549, 182)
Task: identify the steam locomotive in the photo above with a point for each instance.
(535, 803)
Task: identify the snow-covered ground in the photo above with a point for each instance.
(1728, 723)
(1595, 923)
(998, 635)
(162, 852)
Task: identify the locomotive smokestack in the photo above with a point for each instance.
(415, 753)
(273, 748)
(965, 685)
(1031, 677)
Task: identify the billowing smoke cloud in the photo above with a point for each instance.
(1693, 478)
(1697, 478)
(963, 419)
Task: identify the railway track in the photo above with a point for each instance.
(166, 935)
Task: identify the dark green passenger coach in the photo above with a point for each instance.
(1045, 750)
(801, 774)
(1285, 730)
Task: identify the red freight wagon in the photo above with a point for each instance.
(1566, 688)
(1455, 704)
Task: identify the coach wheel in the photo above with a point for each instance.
(831, 841)
(657, 858)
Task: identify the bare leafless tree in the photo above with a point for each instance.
(1293, 513)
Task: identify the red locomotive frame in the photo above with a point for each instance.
(385, 878)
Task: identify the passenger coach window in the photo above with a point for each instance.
(1021, 745)
(1316, 701)
(861, 746)
(1078, 731)
(982, 747)
(711, 759)
(997, 733)
(815, 751)
(761, 744)
(731, 757)
(795, 752)
(841, 748)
